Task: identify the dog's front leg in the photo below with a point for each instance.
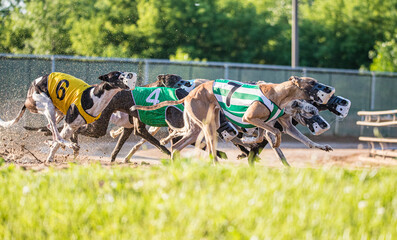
(152, 131)
(67, 132)
(140, 130)
(256, 115)
(174, 134)
(291, 130)
(122, 139)
(253, 140)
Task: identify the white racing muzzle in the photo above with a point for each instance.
(339, 106)
(187, 85)
(317, 124)
(321, 93)
(129, 79)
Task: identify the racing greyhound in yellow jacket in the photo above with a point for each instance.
(59, 94)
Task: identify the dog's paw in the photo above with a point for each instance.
(75, 147)
(327, 148)
(51, 143)
(113, 133)
(222, 155)
(49, 159)
(248, 140)
(163, 141)
(324, 147)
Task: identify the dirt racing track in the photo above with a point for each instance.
(28, 150)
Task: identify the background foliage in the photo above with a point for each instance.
(333, 33)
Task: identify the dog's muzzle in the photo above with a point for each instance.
(187, 85)
(129, 79)
(227, 131)
(339, 106)
(321, 93)
(317, 124)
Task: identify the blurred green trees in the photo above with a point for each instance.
(333, 33)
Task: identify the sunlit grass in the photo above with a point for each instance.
(195, 200)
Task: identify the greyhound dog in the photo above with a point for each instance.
(117, 111)
(133, 121)
(203, 105)
(57, 95)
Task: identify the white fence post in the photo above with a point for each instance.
(146, 74)
(226, 71)
(373, 90)
(52, 63)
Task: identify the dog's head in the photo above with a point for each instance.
(125, 80)
(111, 87)
(316, 91)
(168, 80)
(301, 107)
(307, 115)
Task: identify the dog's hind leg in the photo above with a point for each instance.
(187, 139)
(211, 142)
(122, 139)
(45, 106)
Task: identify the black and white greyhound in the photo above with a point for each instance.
(59, 95)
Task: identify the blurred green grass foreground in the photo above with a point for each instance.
(195, 200)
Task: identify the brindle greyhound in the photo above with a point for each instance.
(57, 95)
(202, 111)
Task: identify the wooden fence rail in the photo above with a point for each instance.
(380, 119)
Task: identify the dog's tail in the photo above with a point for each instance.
(157, 106)
(15, 120)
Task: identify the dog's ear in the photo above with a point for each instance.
(295, 80)
(295, 104)
(172, 79)
(161, 77)
(176, 78)
(103, 78)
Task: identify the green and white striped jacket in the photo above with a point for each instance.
(235, 98)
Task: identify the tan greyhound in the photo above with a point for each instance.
(202, 109)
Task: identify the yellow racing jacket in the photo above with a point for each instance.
(65, 90)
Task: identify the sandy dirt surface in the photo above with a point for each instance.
(28, 150)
